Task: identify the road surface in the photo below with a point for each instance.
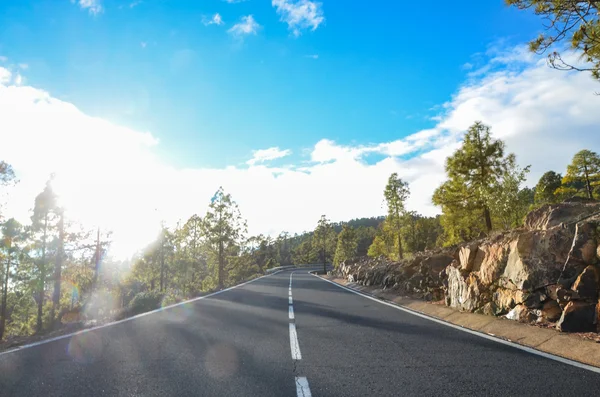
(267, 338)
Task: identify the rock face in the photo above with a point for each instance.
(552, 215)
(548, 271)
(420, 275)
(587, 283)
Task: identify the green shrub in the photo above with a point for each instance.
(143, 302)
(171, 298)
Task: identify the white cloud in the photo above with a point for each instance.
(19, 80)
(5, 75)
(261, 156)
(234, 1)
(300, 14)
(314, 56)
(112, 175)
(135, 3)
(143, 44)
(93, 6)
(23, 66)
(214, 20)
(245, 27)
(3, 58)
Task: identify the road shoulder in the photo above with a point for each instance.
(549, 341)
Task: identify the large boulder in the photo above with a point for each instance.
(587, 283)
(578, 316)
(588, 252)
(464, 292)
(506, 299)
(491, 259)
(467, 256)
(536, 259)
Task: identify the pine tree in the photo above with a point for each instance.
(347, 244)
(324, 240)
(573, 20)
(473, 172)
(509, 201)
(584, 171)
(43, 219)
(12, 235)
(546, 188)
(224, 228)
(396, 193)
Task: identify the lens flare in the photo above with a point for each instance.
(180, 313)
(85, 348)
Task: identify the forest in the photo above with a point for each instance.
(54, 271)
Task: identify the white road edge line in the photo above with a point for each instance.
(83, 331)
(291, 313)
(302, 389)
(296, 355)
(470, 331)
(290, 301)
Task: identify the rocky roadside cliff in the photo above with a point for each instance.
(547, 272)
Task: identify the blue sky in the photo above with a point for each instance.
(297, 108)
(211, 98)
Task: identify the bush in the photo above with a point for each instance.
(143, 302)
(171, 298)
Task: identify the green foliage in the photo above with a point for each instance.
(303, 253)
(10, 247)
(224, 228)
(347, 245)
(508, 201)
(475, 175)
(379, 247)
(573, 20)
(384, 242)
(396, 193)
(364, 239)
(583, 174)
(324, 240)
(546, 188)
(420, 233)
(145, 302)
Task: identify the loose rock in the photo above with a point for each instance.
(578, 316)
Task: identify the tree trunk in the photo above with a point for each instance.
(162, 267)
(588, 185)
(42, 279)
(97, 256)
(400, 253)
(5, 296)
(58, 268)
(488, 218)
(221, 264)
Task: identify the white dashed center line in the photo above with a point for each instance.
(302, 389)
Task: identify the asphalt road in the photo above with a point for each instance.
(242, 343)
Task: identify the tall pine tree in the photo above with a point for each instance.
(224, 229)
(473, 172)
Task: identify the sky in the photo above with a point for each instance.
(297, 108)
